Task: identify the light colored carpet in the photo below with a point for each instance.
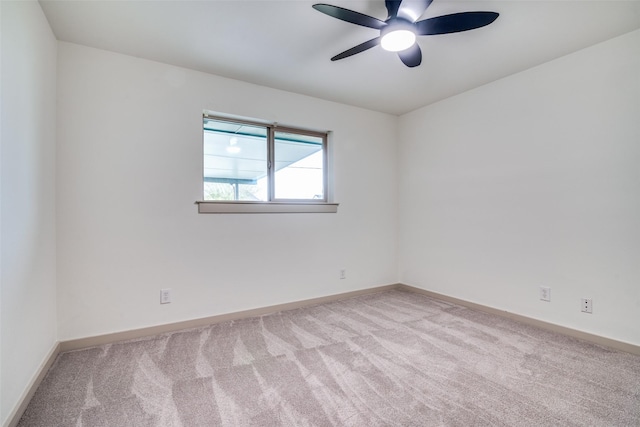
(387, 359)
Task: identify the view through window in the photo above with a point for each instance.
(246, 161)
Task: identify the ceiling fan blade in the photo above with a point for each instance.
(357, 49)
(454, 23)
(392, 7)
(411, 10)
(350, 16)
(411, 57)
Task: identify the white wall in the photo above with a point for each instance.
(129, 171)
(533, 180)
(27, 255)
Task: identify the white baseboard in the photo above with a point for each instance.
(585, 336)
(172, 327)
(14, 417)
(76, 344)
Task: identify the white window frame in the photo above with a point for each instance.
(273, 205)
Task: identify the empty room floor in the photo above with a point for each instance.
(391, 358)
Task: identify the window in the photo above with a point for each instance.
(248, 162)
(235, 161)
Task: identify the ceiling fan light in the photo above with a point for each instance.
(396, 41)
(397, 35)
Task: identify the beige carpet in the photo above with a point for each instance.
(387, 359)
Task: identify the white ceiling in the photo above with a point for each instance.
(288, 45)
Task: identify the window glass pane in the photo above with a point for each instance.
(235, 161)
(299, 162)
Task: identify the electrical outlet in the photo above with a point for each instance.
(343, 274)
(165, 296)
(586, 305)
(545, 293)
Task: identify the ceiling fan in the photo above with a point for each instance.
(398, 32)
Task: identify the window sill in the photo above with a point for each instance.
(215, 207)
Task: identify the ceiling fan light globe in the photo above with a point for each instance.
(398, 40)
